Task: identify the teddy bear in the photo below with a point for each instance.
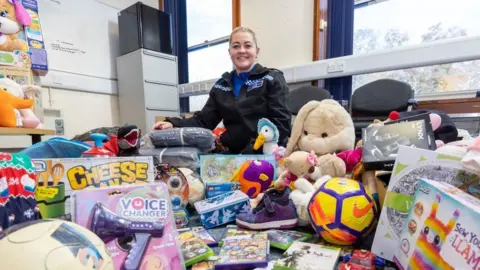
(13, 17)
(299, 164)
(8, 104)
(326, 128)
(28, 118)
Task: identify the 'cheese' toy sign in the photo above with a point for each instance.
(58, 178)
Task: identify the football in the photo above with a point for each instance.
(53, 244)
(342, 211)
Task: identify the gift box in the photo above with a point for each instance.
(381, 143)
(222, 209)
(442, 230)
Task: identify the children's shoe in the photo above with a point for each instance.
(275, 211)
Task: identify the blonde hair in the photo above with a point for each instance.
(242, 29)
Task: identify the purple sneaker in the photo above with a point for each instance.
(275, 211)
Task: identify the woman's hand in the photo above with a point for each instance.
(162, 125)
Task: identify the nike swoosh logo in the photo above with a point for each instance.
(360, 212)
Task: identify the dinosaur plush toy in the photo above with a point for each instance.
(8, 104)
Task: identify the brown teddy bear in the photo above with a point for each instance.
(299, 164)
(13, 17)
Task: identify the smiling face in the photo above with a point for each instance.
(243, 50)
(8, 22)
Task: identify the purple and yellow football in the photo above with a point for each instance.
(254, 176)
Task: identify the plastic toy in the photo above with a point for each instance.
(98, 150)
(107, 225)
(254, 176)
(9, 103)
(53, 244)
(342, 211)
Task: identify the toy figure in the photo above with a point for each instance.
(8, 105)
(13, 18)
(299, 164)
(128, 138)
(268, 135)
(28, 118)
(429, 242)
(254, 176)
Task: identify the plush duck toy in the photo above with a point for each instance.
(268, 135)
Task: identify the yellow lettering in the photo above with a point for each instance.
(92, 176)
(127, 169)
(114, 182)
(114, 170)
(76, 177)
(142, 171)
(103, 172)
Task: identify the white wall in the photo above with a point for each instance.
(284, 30)
(103, 109)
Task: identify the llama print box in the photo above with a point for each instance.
(442, 230)
(222, 209)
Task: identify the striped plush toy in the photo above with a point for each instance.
(429, 244)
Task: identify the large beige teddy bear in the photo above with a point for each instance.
(326, 128)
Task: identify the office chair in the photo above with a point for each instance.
(377, 99)
(303, 95)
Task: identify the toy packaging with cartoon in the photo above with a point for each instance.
(34, 37)
(244, 252)
(58, 178)
(411, 165)
(194, 249)
(308, 256)
(139, 213)
(442, 231)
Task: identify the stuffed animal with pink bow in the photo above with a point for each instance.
(300, 164)
(13, 17)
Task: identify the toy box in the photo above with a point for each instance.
(244, 252)
(216, 171)
(215, 189)
(381, 143)
(411, 165)
(442, 231)
(134, 219)
(57, 178)
(222, 209)
(34, 38)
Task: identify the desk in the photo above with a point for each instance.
(36, 134)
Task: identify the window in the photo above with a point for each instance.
(395, 23)
(209, 23)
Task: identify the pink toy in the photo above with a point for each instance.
(120, 214)
(22, 15)
(351, 158)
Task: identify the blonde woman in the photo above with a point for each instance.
(241, 97)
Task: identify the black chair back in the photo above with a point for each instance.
(304, 94)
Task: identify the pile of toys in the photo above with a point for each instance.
(406, 196)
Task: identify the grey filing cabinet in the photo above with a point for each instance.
(147, 87)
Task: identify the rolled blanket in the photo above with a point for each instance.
(200, 138)
(180, 157)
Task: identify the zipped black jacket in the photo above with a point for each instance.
(265, 94)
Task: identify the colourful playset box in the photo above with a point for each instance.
(442, 230)
(136, 222)
(57, 178)
(34, 38)
(222, 209)
(411, 165)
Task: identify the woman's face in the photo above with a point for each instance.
(243, 51)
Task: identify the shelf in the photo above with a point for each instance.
(36, 134)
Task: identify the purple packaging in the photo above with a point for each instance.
(34, 37)
(106, 210)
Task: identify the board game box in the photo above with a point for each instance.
(442, 231)
(411, 165)
(58, 178)
(193, 248)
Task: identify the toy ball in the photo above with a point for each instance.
(254, 176)
(53, 244)
(342, 211)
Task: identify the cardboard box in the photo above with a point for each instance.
(442, 231)
(411, 165)
(58, 178)
(215, 189)
(222, 209)
(34, 38)
(381, 143)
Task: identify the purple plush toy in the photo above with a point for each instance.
(254, 176)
